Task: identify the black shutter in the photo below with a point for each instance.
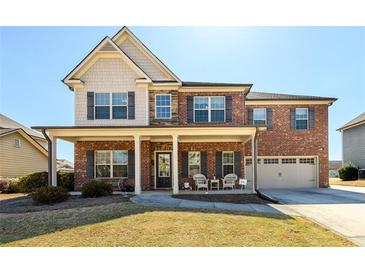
(218, 164)
(311, 118)
(90, 164)
(269, 118)
(292, 118)
(90, 105)
(190, 109)
(131, 105)
(185, 164)
(237, 163)
(203, 163)
(131, 169)
(250, 116)
(229, 109)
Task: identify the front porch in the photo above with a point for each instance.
(142, 145)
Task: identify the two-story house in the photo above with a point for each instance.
(135, 119)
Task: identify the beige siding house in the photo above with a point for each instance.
(22, 150)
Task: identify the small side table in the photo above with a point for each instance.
(214, 184)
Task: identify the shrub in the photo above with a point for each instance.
(47, 195)
(9, 185)
(348, 172)
(96, 188)
(66, 180)
(31, 182)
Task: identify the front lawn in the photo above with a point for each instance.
(338, 181)
(128, 224)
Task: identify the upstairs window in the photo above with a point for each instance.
(209, 109)
(111, 105)
(228, 162)
(259, 116)
(163, 106)
(102, 105)
(17, 143)
(301, 118)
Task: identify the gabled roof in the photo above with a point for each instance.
(7, 124)
(29, 138)
(105, 45)
(146, 50)
(253, 95)
(359, 120)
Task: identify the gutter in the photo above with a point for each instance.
(49, 141)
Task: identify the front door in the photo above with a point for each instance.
(163, 170)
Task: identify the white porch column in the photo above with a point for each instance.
(137, 164)
(175, 164)
(254, 163)
(54, 161)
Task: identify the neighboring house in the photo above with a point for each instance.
(65, 165)
(22, 150)
(135, 119)
(353, 141)
(333, 168)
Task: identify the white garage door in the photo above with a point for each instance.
(284, 172)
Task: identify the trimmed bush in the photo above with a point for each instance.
(9, 185)
(31, 182)
(95, 189)
(47, 195)
(348, 172)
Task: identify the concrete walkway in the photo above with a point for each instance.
(339, 208)
(164, 199)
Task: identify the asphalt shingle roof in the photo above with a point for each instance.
(358, 120)
(254, 95)
(8, 124)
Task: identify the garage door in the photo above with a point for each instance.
(284, 172)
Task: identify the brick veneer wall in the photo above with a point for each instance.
(82, 147)
(238, 106)
(284, 141)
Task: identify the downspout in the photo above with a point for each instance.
(49, 141)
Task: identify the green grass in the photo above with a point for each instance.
(127, 224)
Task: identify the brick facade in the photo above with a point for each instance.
(284, 141)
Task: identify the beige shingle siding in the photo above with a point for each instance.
(110, 75)
(144, 62)
(16, 162)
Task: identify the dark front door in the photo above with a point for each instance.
(163, 170)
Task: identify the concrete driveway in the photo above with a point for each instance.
(339, 208)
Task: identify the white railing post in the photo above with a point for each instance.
(175, 165)
(137, 164)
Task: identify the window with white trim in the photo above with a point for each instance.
(227, 162)
(111, 164)
(288, 161)
(306, 161)
(259, 116)
(301, 118)
(112, 105)
(17, 143)
(209, 109)
(163, 106)
(248, 162)
(271, 161)
(194, 163)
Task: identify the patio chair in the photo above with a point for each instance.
(200, 181)
(230, 181)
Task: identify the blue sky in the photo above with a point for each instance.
(323, 61)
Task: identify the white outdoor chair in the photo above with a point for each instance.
(230, 181)
(200, 181)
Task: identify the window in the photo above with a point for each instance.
(17, 143)
(194, 163)
(259, 116)
(120, 105)
(111, 164)
(164, 165)
(209, 109)
(306, 161)
(271, 161)
(288, 161)
(116, 103)
(102, 102)
(248, 162)
(163, 106)
(301, 118)
(228, 162)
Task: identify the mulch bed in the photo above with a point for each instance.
(224, 198)
(25, 204)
